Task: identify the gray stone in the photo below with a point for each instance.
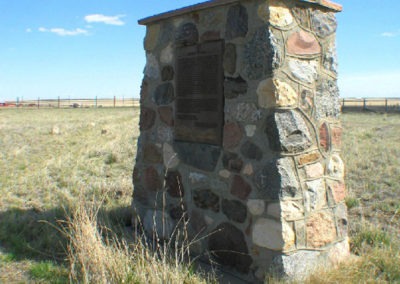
(151, 154)
(187, 34)
(259, 55)
(341, 220)
(164, 94)
(152, 69)
(157, 224)
(327, 100)
(196, 178)
(287, 131)
(233, 87)
(304, 70)
(167, 33)
(323, 23)
(202, 156)
(330, 59)
(206, 199)
(234, 210)
(167, 55)
(244, 112)
(174, 185)
(167, 73)
(315, 196)
(170, 158)
(230, 58)
(228, 245)
(272, 234)
(251, 151)
(164, 134)
(237, 22)
(256, 206)
(232, 162)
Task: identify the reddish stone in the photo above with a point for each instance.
(233, 134)
(309, 158)
(152, 181)
(240, 188)
(338, 190)
(147, 118)
(173, 184)
(336, 136)
(303, 43)
(166, 115)
(210, 36)
(324, 136)
(151, 154)
(321, 230)
(144, 90)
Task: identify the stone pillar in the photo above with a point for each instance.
(270, 197)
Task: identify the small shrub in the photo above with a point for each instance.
(352, 202)
(369, 237)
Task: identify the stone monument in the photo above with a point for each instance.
(240, 134)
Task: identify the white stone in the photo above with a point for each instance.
(273, 235)
(292, 210)
(225, 174)
(279, 14)
(274, 210)
(248, 170)
(315, 196)
(152, 69)
(256, 207)
(167, 55)
(314, 170)
(250, 130)
(170, 157)
(165, 134)
(336, 167)
(304, 70)
(159, 223)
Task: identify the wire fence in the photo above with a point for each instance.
(72, 103)
(385, 105)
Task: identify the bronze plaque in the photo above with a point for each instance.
(199, 91)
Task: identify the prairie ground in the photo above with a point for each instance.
(52, 160)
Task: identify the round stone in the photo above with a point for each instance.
(336, 167)
(256, 207)
(303, 43)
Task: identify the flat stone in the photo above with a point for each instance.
(250, 130)
(232, 162)
(152, 33)
(166, 114)
(147, 118)
(164, 94)
(274, 235)
(279, 14)
(248, 170)
(206, 199)
(237, 22)
(167, 55)
(240, 188)
(228, 245)
(321, 230)
(174, 185)
(323, 23)
(327, 100)
(233, 134)
(187, 34)
(151, 154)
(336, 167)
(338, 190)
(234, 210)
(251, 151)
(158, 225)
(324, 137)
(303, 43)
(309, 158)
(225, 174)
(152, 180)
(305, 71)
(336, 137)
(170, 158)
(210, 36)
(256, 207)
(314, 170)
(201, 156)
(230, 58)
(234, 87)
(167, 73)
(287, 131)
(315, 196)
(259, 55)
(152, 68)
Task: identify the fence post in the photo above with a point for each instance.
(114, 101)
(38, 103)
(365, 104)
(58, 102)
(95, 102)
(386, 105)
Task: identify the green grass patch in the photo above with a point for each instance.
(49, 272)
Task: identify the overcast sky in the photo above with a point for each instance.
(88, 48)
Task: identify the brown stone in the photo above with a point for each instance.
(173, 184)
(240, 188)
(309, 158)
(210, 36)
(337, 136)
(147, 118)
(166, 115)
(152, 181)
(303, 43)
(324, 136)
(321, 230)
(232, 162)
(233, 134)
(151, 154)
(338, 190)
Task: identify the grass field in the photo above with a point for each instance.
(58, 166)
